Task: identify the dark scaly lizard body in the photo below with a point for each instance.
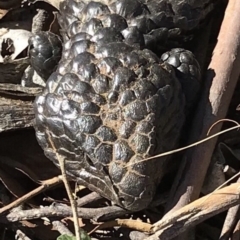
(112, 102)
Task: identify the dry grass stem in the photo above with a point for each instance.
(72, 200)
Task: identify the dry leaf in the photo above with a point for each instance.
(12, 43)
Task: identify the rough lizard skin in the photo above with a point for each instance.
(112, 102)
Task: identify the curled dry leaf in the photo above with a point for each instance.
(12, 43)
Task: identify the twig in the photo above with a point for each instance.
(45, 185)
(196, 143)
(222, 76)
(236, 232)
(39, 20)
(21, 236)
(229, 171)
(72, 200)
(61, 228)
(198, 211)
(90, 198)
(101, 214)
(230, 221)
(128, 223)
(136, 235)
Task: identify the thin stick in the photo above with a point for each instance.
(230, 221)
(128, 223)
(72, 200)
(90, 198)
(61, 228)
(198, 211)
(236, 232)
(61, 211)
(188, 146)
(21, 236)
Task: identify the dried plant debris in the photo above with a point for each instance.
(19, 83)
(12, 43)
(33, 201)
(15, 114)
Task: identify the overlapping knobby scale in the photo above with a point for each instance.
(112, 103)
(45, 51)
(108, 106)
(156, 20)
(143, 24)
(187, 71)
